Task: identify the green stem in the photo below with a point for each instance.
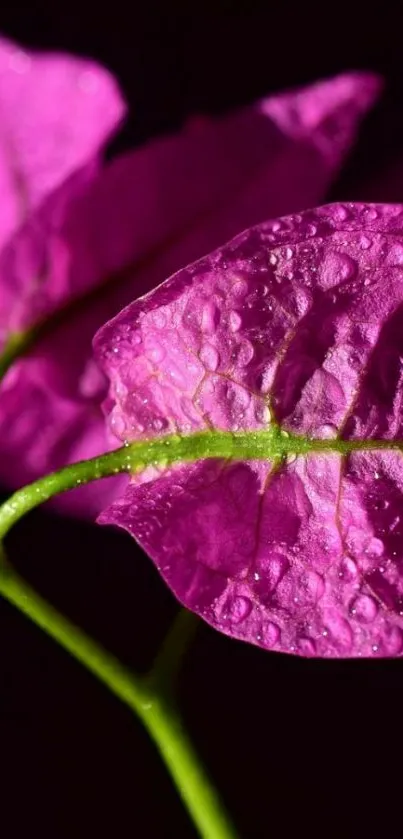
(144, 696)
(270, 443)
(150, 697)
(17, 345)
(175, 645)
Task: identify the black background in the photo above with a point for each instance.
(295, 746)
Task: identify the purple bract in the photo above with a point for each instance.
(298, 320)
(135, 222)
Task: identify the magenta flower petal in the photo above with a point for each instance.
(145, 216)
(56, 113)
(300, 320)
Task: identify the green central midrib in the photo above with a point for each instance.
(250, 445)
(271, 443)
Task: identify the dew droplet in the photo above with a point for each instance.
(365, 243)
(288, 253)
(262, 413)
(337, 268)
(210, 318)
(339, 630)
(393, 640)
(395, 255)
(240, 288)
(307, 646)
(235, 321)
(339, 213)
(117, 424)
(209, 357)
(270, 633)
(273, 259)
(244, 353)
(158, 423)
(238, 608)
(155, 352)
(327, 431)
(177, 376)
(159, 319)
(375, 547)
(315, 585)
(348, 570)
(364, 608)
(272, 569)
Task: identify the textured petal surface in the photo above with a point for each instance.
(300, 318)
(55, 113)
(146, 215)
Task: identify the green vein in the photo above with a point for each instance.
(267, 444)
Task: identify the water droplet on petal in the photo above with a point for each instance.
(348, 570)
(339, 630)
(395, 255)
(270, 634)
(117, 424)
(392, 640)
(177, 376)
(273, 259)
(210, 318)
(288, 253)
(209, 357)
(244, 353)
(158, 423)
(364, 608)
(339, 213)
(262, 413)
(155, 352)
(327, 431)
(238, 608)
(159, 319)
(240, 288)
(365, 243)
(337, 268)
(315, 585)
(235, 321)
(375, 547)
(307, 646)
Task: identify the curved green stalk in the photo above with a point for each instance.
(150, 697)
(17, 344)
(270, 443)
(146, 696)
